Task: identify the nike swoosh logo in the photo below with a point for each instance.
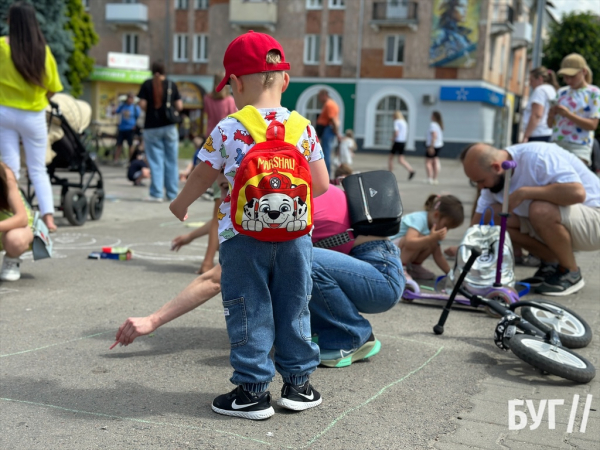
(234, 405)
(345, 352)
(308, 397)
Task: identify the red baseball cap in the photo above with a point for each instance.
(248, 54)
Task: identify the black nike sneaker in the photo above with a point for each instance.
(299, 398)
(247, 405)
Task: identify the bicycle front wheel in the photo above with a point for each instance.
(555, 360)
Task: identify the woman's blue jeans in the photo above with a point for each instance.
(162, 149)
(266, 289)
(326, 143)
(370, 280)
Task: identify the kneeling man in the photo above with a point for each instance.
(554, 203)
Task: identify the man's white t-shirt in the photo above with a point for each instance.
(439, 135)
(542, 96)
(400, 128)
(541, 164)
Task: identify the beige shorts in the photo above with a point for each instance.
(583, 152)
(583, 223)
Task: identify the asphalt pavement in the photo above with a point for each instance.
(61, 386)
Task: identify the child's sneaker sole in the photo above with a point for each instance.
(298, 406)
(252, 415)
(571, 290)
(371, 348)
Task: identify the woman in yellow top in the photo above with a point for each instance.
(16, 219)
(28, 78)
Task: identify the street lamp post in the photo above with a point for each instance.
(536, 60)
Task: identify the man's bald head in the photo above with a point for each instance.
(482, 163)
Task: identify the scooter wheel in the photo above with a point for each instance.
(410, 287)
(553, 359)
(498, 296)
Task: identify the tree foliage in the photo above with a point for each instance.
(576, 33)
(70, 34)
(84, 38)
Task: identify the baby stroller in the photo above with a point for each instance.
(68, 118)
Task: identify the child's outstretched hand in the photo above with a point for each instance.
(180, 241)
(178, 211)
(438, 235)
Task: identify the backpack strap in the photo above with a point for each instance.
(255, 123)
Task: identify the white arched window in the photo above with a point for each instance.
(308, 105)
(384, 118)
(379, 116)
(313, 109)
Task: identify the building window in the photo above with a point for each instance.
(314, 4)
(312, 44)
(492, 53)
(384, 118)
(86, 4)
(200, 4)
(180, 44)
(337, 4)
(130, 43)
(313, 109)
(127, 1)
(334, 49)
(394, 50)
(200, 48)
(181, 4)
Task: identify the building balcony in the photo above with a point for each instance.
(246, 14)
(502, 19)
(127, 14)
(395, 14)
(523, 35)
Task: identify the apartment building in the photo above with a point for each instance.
(464, 58)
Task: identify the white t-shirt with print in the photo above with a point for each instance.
(400, 127)
(541, 95)
(541, 164)
(439, 135)
(584, 102)
(228, 144)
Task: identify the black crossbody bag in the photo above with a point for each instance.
(373, 203)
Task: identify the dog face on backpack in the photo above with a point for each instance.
(275, 203)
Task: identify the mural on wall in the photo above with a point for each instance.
(454, 33)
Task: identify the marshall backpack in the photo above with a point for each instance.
(272, 188)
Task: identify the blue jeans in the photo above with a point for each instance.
(162, 149)
(370, 280)
(266, 289)
(326, 144)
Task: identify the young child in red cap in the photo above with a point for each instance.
(266, 286)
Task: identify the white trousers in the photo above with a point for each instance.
(31, 127)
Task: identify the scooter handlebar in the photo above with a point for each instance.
(507, 165)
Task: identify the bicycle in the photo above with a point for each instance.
(541, 337)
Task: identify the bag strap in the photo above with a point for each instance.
(168, 94)
(254, 122)
(482, 221)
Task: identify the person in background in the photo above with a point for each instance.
(130, 112)
(341, 172)
(434, 142)
(400, 136)
(16, 219)
(575, 116)
(347, 148)
(160, 135)
(138, 166)
(328, 126)
(421, 233)
(28, 78)
(535, 116)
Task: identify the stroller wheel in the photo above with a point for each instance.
(96, 204)
(75, 207)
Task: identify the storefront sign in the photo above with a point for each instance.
(120, 75)
(128, 61)
(471, 94)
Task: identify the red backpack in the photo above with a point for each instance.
(272, 188)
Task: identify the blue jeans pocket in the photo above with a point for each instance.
(304, 321)
(236, 320)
